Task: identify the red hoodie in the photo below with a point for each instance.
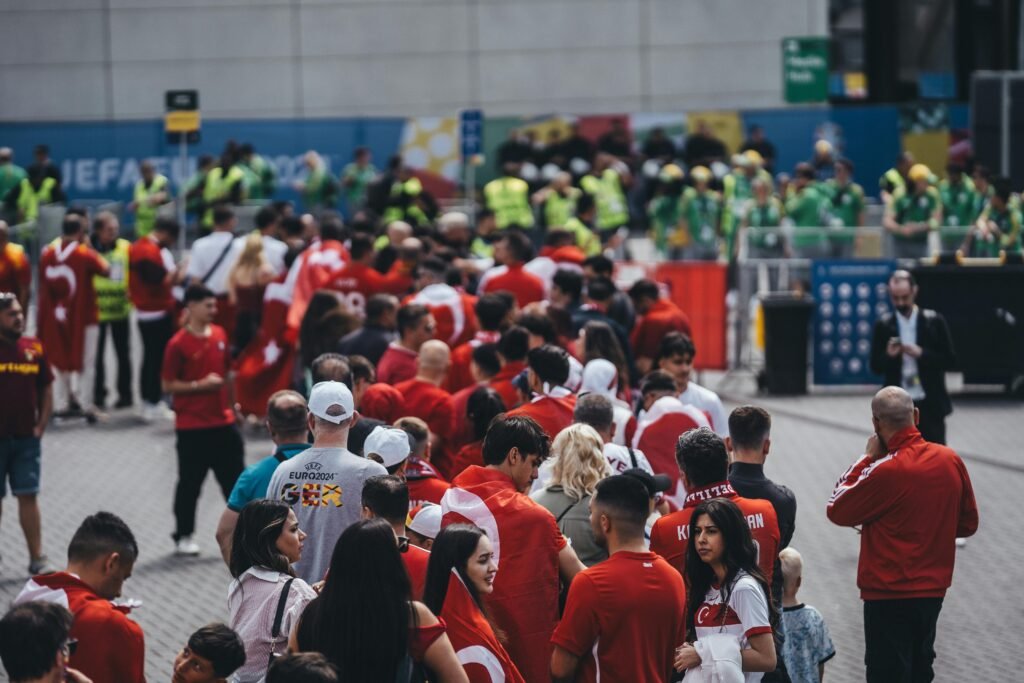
(912, 504)
(110, 645)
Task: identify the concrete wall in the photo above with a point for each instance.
(113, 59)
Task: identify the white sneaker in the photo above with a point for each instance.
(147, 412)
(186, 546)
(961, 542)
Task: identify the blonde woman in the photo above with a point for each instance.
(247, 279)
(579, 463)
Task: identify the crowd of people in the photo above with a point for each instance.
(491, 463)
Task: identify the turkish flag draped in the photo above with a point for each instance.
(313, 270)
(265, 365)
(454, 312)
(526, 543)
(67, 302)
(478, 649)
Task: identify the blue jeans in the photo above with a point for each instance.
(19, 462)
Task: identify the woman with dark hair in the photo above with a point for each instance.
(323, 325)
(363, 620)
(726, 592)
(598, 340)
(462, 568)
(266, 542)
(484, 405)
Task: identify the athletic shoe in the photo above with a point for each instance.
(41, 565)
(186, 546)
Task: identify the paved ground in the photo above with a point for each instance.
(128, 468)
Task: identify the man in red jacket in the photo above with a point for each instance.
(415, 326)
(512, 349)
(357, 281)
(101, 556)
(512, 252)
(552, 403)
(911, 499)
(492, 314)
(658, 317)
(424, 398)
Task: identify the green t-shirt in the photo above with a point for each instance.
(959, 204)
(354, 181)
(10, 177)
(807, 208)
(1009, 223)
(915, 208)
(764, 220)
(703, 213)
(664, 213)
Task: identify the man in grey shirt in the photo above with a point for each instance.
(324, 484)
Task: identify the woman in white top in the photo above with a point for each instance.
(267, 541)
(726, 593)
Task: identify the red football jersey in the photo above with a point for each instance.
(671, 532)
(67, 300)
(624, 618)
(526, 286)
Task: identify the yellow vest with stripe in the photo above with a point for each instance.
(509, 199)
(29, 198)
(610, 200)
(218, 188)
(145, 213)
(112, 291)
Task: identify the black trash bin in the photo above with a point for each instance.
(787, 321)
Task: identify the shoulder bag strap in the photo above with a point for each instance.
(216, 264)
(275, 630)
(632, 457)
(558, 519)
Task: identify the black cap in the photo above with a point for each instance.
(655, 483)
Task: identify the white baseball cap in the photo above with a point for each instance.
(327, 395)
(427, 521)
(392, 445)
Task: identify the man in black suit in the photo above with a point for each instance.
(912, 348)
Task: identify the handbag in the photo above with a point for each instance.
(275, 630)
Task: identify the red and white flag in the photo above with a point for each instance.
(480, 652)
(313, 270)
(265, 365)
(526, 543)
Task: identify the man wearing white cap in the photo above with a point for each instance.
(324, 484)
(390, 447)
(425, 526)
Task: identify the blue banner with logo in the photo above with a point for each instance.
(850, 296)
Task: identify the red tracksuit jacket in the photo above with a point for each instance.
(912, 505)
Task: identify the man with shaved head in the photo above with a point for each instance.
(425, 399)
(911, 499)
(912, 348)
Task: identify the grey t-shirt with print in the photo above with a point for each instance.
(324, 486)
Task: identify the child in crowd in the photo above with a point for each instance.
(306, 667)
(808, 645)
(212, 654)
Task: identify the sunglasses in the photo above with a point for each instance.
(403, 544)
(69, 647)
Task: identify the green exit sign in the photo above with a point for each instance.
(805, 69)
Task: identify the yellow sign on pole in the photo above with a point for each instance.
(181, 121)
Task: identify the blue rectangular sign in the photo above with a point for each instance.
(471, 132)
(849, 296)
